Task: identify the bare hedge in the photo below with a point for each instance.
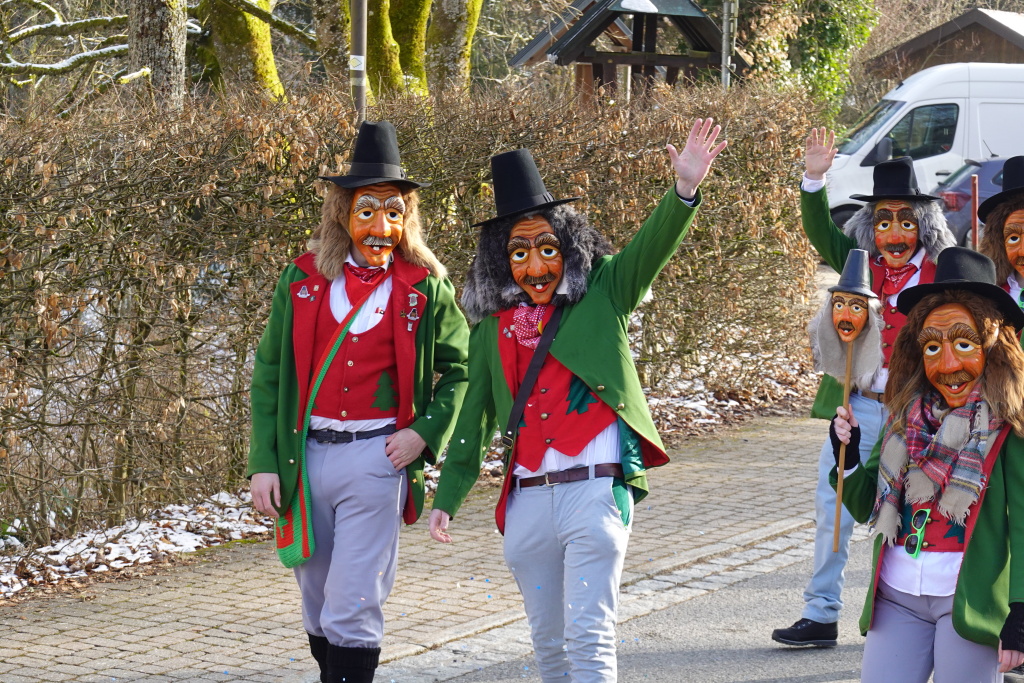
(138, 253)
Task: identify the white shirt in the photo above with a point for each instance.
(367, 318)
(602, 448)
(929, 574)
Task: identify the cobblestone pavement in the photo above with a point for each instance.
(717, 515)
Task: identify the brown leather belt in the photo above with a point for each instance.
(873, 395)
(608, 469)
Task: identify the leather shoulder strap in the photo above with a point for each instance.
(508, 437)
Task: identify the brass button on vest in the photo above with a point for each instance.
(351, 363)
(344, 413)
(544, 416)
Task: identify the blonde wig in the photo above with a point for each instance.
(1002, 381)
(331, 240)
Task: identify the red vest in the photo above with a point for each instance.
(893, 319)
(562, 412)
(942, 534)
(361, 383)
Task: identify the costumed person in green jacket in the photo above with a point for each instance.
(944, 486)
(903, 230)
(345, 405)
(1003, 237)
(582, 433)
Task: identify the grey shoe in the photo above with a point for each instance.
(808, 632)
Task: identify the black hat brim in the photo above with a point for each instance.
(863, 291)
(352, 182)
(1012, 313)
(987, 206)
(528, 210)
(898, 197)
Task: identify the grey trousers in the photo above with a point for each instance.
(357, 498)
(565, 545)
(912, 636)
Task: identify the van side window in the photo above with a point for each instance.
(925, 131)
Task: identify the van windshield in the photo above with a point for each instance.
(865, 129)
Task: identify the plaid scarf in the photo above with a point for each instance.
(526, 321)
(941, 458)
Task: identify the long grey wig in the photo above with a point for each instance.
(932, 232)
(489, 284)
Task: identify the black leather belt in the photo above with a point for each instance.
(608, 469)
(334, 436)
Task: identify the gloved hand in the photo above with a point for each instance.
(1012, 635)
(844, 424)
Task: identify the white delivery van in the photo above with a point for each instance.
(938, 117)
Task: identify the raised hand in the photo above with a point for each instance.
(692, 164)
(819, 151)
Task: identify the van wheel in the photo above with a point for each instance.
(840, 216)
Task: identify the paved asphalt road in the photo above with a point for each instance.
(724, 636)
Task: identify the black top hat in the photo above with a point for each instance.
(1013, 187)
(965, 269)
(895, 179)
(856, 277)
(375, 159)
(518, 187)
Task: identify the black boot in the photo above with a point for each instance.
(318, 646)
(351, 664)
(808, 632)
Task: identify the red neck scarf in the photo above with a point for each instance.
(896, 278)
(359, 279)
(526, 320)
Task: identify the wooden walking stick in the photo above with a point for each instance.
(847, 342)
(842, 449)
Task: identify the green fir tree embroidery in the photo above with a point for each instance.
(957, 531)
(385, 394)
(580, 396)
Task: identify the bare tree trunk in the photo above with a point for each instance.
(450, 42)
(333, 22)
(244, 51)
(156, 38)
(409, 27)
(383, 68)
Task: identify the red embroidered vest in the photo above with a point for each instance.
(941, 535)
(893, 319)
(562, 412)
(361, 383)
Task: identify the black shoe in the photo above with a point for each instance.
(808, 632)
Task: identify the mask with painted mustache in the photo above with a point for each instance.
(539, 279)
(374, 241)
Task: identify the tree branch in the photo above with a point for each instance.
(67, 28)
(280, 24)
(69, 64)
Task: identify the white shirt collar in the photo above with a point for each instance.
(351, 259)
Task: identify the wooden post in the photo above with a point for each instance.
(357, 58)
(974, 211)
(842, 448)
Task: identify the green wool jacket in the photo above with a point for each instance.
(992, 573)
(441, 338)
(833, 245)
(591, 342)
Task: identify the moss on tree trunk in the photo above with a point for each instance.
(450, 42)
(243, 48)
(383, 68)
(409, 27)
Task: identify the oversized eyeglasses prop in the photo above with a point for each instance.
(847, 339)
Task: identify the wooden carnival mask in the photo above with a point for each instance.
(535, 255)
(895, 231)
(849, 314)
(375, 222)
(952, 352)
(1013, 240)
